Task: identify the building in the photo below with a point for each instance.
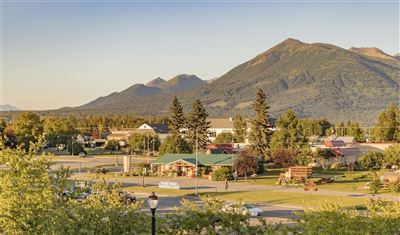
(122, 135)
(343, 149)
(220, 149)
(185, 164)
(218, 126)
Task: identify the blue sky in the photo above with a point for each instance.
(64, 53)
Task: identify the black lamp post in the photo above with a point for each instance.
(153, 203)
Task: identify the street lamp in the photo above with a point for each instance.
(153, 203)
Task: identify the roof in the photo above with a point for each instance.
(157, 127)
(219, 146)
(352, 151)
(346, 139)
(203, 159)
(219, 151)
(221, 123)
(334, 143)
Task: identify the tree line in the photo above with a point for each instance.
(26, 126)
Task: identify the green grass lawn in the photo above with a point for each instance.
(350, 183)
(296, 199)
(161, 191)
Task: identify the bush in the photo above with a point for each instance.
(394, 187)
(336, 165)
(375, 185)
(221, 174)
(371, 161)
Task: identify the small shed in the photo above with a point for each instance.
(299, 172)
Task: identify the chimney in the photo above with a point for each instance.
(230, 119)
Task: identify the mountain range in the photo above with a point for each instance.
(314, 79)
(8, 107)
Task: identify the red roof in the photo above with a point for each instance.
(334, 143)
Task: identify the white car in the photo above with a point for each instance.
(245, 209)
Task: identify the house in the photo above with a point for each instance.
(122, 135)
(218, 126)
(334, 143)
(185, 164)
(347, 154)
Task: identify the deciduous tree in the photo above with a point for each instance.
(175, 144)
(392, 155)
(246, 163)
(26, 127)
(224, 138)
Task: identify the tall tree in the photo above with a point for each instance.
(354, 129)
(174, 144)
(288, 134)
(387, 127)
(260, 135)
(177, 118)
(26, 127)
(239, 128)
(197, 122)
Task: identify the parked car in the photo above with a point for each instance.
(129, 197)
(245, 209)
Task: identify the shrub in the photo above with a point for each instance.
(284, 157)
(336, 165)
(375, 185)
(221, 174)
(394, 187)
(371, 161)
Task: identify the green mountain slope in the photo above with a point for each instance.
(316, 80)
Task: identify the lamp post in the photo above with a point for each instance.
(153, 203)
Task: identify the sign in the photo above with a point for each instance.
(169, 184)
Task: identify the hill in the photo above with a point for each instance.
(8, 107)
(157, 86)
(316, 80)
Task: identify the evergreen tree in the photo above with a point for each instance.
(354, 129)
(177, 118)
(261, 132)
(197, 121)
(239, 128)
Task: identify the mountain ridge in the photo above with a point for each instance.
(315, 79)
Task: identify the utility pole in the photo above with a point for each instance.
(153, 147)
(197, 145)
(72, 145)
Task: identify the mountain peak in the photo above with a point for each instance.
(371, 52)
(156, 82)
(397, 56)
(8, 107)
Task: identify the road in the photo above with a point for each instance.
(272, 213)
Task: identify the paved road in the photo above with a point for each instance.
(272, 213)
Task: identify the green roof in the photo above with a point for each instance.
(203, 159)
